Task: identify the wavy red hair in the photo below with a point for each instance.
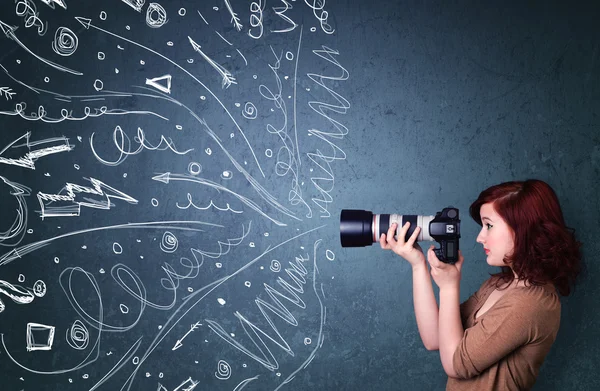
(545, 249)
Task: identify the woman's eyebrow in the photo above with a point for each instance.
(487, 218)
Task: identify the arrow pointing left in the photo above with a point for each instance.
(57, 145)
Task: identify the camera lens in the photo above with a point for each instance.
(355, 228)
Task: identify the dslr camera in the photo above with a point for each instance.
(360, 228)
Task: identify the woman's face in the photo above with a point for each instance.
(496, 236)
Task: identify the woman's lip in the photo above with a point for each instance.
(487, 251)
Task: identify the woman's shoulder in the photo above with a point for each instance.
(541, 302)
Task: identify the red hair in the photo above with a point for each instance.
(545, 249)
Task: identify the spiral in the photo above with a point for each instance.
(169, 242)
(223, 370)
(65, 41)
(250, 111)
(275, 266)
(78, 336)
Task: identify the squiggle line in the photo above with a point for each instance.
(325, 184)
(16, 253)
(287, 160)
(191, 203)
(189, 303)
(123, 145)
(27, 10)
(67, 115)
(296, 273)
(95, 352)
(87, 24)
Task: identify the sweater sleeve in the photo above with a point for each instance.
(501, 330)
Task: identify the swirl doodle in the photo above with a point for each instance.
(223, 370)
(78, 336)
(250, 111)
(169, 242)
(65, 42)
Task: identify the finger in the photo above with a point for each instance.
(390, 234)
(383, 242)
(432, 258)
(402, 233)
(414, 235)
(460, 262)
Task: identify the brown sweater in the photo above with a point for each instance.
(504, 348)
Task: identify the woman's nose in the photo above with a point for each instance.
(479, 239)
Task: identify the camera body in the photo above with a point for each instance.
(359, 228)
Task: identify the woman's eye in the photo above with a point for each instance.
(488, 226)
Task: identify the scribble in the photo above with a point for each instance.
(55, 205)
(57, 145)
(280, 11)
(51, 3)
(135, 4)
(256, 18)
(78, 336)
(65, 41)
(123, 145)
(9, 31)
(27, 10)
(156, 16)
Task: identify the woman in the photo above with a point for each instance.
(499, 337)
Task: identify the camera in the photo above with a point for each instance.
(360, 228)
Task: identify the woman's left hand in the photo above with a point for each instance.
(445, 275)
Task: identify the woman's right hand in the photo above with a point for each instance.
(409, 250)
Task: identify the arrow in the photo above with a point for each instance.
(28, 161)
(50, 3)
(68, 206)
(167, 177)
(228, 78)
(179, 344)
(87, 24)
(9, 31)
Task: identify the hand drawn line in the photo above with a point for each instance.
(87, 24)
(179, 343)
(94, 352)
(28, 161)
(234, 18)
(68, 206)
(191, 301)
(17, 229)
(172, 225)
(9, 31)
(167, 177)
(253, 182)
(50, 3)
(228, 79)
(7, 92)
